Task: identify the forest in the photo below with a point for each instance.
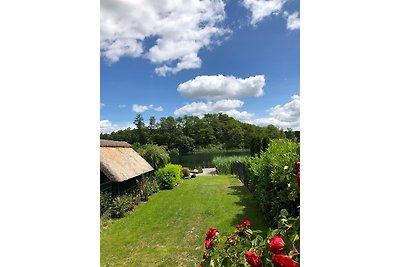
(191, 133)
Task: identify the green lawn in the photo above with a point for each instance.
(169, 229)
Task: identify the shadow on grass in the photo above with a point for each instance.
(251, 211)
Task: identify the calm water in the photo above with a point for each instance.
(204, 160)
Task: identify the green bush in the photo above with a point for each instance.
(105, 201)
(147, 191)
(169, 176)
(224, 164)
(120, 206)
(155, 186)
(272, 179)
(156, 156)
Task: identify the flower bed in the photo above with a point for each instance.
(247, 247)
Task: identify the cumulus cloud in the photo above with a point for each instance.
(141, 108)
(262, 8)
(293, 20)
(227, 106)
(107, 126)
(286, 116)
(216, 87)
(239, 115)
(168, 33)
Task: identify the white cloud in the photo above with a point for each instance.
(217, 87)
(178, 28)
(286, 116)
(141, 108)
(102, 105)
(107, 126)
(293, 20)
(239, 115)
(227, 106)
(262, 8)
(158, 108)
(122, 106)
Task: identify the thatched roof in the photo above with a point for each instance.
(119, 162)
(112, 143)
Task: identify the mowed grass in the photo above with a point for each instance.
(169, 229)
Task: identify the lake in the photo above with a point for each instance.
(204, 159)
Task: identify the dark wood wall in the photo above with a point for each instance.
(133, 185)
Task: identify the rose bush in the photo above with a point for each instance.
(247, 247)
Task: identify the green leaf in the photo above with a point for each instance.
(260, 238)
(284, 213)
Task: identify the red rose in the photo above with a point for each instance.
(246, 222)
(253, 259)
(239, 226)
(207, 243)
(200, 265)
(211, 233)
(205, 256)
(276, 244)
(280, 260)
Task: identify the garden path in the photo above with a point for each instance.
(208, 172)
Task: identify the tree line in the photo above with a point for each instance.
(191, 132)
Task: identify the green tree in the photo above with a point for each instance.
(255, 146)
(264, 143)
(290, 134)
(141, 130)
(235, 138)
(184, 144)
(274, 132)
(156, 156)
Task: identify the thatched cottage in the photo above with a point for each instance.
(122, 169)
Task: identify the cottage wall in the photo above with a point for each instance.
(133, 185)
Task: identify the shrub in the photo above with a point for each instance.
(147, 191)
(169, 176)
(155, 186)
(185, 172)
(247, 247)
(156, 156)
(273, 180)
(120, 206)
(105, 201)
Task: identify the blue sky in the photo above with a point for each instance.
(176, 58)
